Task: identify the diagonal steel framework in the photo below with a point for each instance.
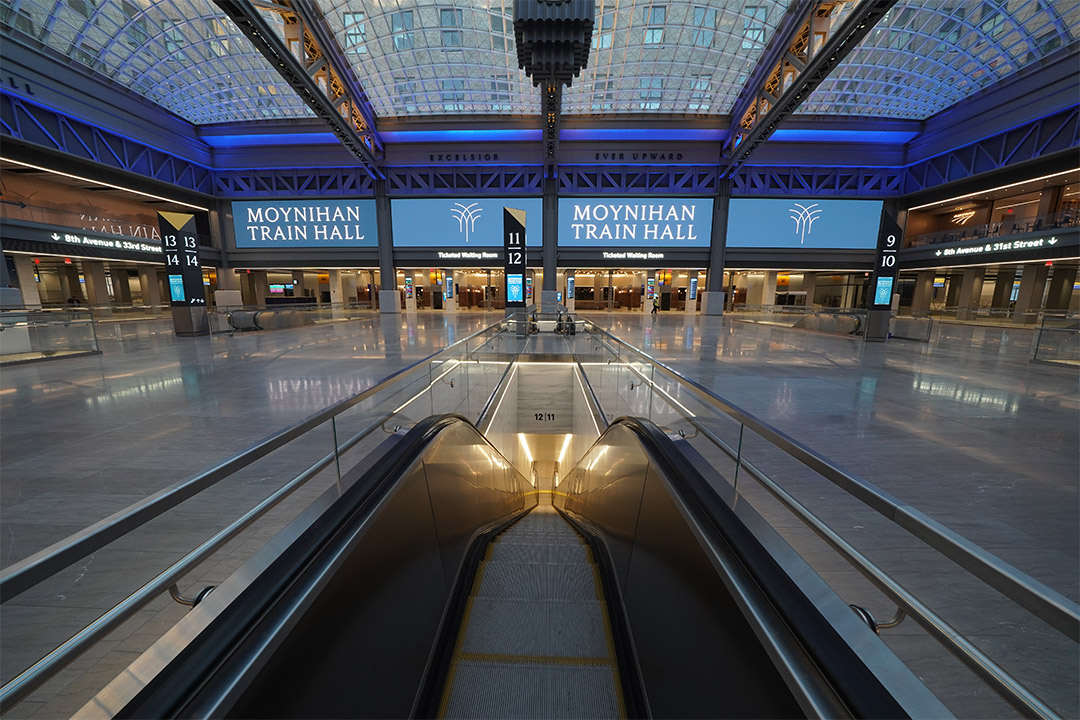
(54, 131)
(825, 33)
(310, 61)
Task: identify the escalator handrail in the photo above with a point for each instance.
(858, 687)
(27, 573)
(163, 694)
(1044, 602)
(594, 401)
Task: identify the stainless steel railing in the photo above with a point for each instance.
(1043, 602)
(46, 563)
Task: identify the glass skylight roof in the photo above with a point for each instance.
(457, 57)
(450, 57)
(927, 55)
(183, 55)
(672, 57)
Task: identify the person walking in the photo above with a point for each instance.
(655, 304)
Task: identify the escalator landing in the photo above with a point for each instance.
(535, 640)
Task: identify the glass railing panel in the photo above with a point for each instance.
(35, 335)
(911, 328)
(202, 529)
(1060, 345)
(867, 535)
(45, 616)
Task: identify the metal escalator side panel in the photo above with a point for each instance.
(606, 487)
(699, 581)
(336, 618)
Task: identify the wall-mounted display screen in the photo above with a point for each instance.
(809, 223)
(461, 223)
(287, 224)
(635, 222)
(883, 291)
(693, 288)
(515, 288)
(176, 288)
(408, 287)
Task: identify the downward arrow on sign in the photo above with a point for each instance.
(55, 236)
(938, 253)
(1052, 241)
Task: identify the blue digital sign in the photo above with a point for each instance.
(461, 223)
(803, 223)
(515, 288)
(883, 291)
(176, 288)
(635, 222)
(289, 224)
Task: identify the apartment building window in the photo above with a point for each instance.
(450, 22)
(502, 28)
(355, 31)
(602, 34)
(500, 94)
(700, 97)
(603, 95)
(754, 26)
(401, 27)
(453, 95)
(705, 22)
(651, 91)
(655, 15)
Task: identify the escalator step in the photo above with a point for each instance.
(539, 553)
(534, 581)
(534, 640)
(535, 691)
(536, 629)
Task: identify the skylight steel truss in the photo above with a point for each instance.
(830, 30)
(35, 124)
(308, 61)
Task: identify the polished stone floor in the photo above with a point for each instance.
(963, 428)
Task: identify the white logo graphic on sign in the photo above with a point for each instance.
(804, 219)
(467, 216)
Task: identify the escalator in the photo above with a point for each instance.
(535, 620)
(438, 582)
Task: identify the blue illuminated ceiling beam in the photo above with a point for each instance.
(1050, 139)
(812, 52)
(323, 79)
(27, 129)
